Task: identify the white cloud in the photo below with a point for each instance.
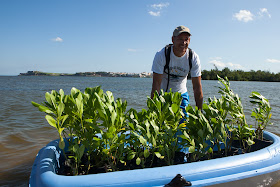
(152, 13)
(217, 62)
(157, 8)
(244, 15)
(57, 39)
(131, 50)
(264, 11)
(160, 6)
(235, 66)
(272, 61)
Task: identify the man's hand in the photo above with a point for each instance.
(197, 90)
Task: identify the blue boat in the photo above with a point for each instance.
(258, 168)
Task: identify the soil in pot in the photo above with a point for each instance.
(216, 154)
(67, 166)
(259, 144)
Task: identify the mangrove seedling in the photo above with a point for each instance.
(262, 113)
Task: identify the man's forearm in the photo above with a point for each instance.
(155, 88)
(153, 91)
(156, 83)
(197, 90)
(198, 99)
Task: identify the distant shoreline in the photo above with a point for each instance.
(232, 75)
(89, 74)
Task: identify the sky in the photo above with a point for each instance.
(69, 36)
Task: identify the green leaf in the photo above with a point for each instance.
(138, 161)
(131, 155)
(51, 99)
(191, 149)
(74, 91)
(42, 108)
(123, 162)
(76, 148)
(192, 116)
(100, 106)
(115, 139)
(51, 121)
(81, 151)
(61, 92)
(96, 139)
(110, 96)
(154, 141)
(89, 120)
(175, 108)
(142, 140)
(113, 117)
(48, 98)
(60, 109)
(250, 142)
(35, 104)
(186, 135)
(45, 109)
(79, 103)
(200, 133)
(63, 118)
(214, 120)
(155, 127)
(210, 150)
(170, 110)
(105, 151)
(112, 130)
(158, 154)
(146, 153)
(147, 124)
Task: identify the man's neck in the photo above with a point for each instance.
(179, 52)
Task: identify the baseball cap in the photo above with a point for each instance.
(181, 29)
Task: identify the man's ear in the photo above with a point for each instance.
(172, 39)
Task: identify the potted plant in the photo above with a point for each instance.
(98, 135)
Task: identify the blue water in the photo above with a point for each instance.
(24, 129)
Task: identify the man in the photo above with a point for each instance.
(178, 69)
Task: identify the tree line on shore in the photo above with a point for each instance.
(240, 75)
(89, 74)
(232, 75)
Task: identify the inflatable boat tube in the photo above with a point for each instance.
(259, 168)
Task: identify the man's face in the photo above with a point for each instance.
(182, 41)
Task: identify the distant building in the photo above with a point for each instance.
(90, 74)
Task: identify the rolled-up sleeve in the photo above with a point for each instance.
(196, 67)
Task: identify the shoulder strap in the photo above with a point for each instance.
(167, 60)
(167, 56)
(190, 58)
